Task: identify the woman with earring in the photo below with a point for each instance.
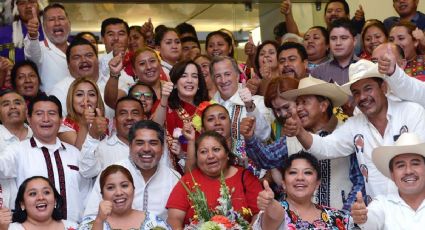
(179, 105)
(301, 177)
(38, 206)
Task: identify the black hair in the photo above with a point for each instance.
(20, 64)
(185, 27)
(329, 109)
(128, 98)
(146, 124)
(344, 23)
(312, 160)
(226, 38)
(390, 164)
(279, 30)
(113, 21)
(154, 97)
(176, 73)
(218, 137)
(343, 2)
(78, 42)
(293, 45)
(257, 54)
(160, 34)
(20, 215)
(81, 35)
(190, 39)
(324, 32)
(211, 107)
(43, 97)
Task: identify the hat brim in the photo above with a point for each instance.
(381, 156)
(329, 90)
(347, 86)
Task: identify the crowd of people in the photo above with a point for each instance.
(323, 129)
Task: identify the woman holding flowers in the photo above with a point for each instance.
(216, 184)
(178, 105)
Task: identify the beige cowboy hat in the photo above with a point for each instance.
(313, 86)
(406, 143)
(360, 70)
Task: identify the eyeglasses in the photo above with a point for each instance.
(139, 95)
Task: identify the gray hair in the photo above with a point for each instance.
(218, 59)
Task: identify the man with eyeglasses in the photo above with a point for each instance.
(144, 94)
(408, 11)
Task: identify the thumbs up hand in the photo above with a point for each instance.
(359, 210)
(387, 63)
(265, 198)
(286, 7)
(99, 124)
(359, 15)
(33, 25)
(247, 127)
(292, 126)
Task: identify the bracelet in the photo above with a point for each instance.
(115, 76)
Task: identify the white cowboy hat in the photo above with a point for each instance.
(406, 143)
(313, 86)
(360, 70)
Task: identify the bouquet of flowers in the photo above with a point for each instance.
(223, 217)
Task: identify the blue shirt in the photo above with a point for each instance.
(418, 20)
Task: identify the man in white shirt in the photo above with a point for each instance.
(49, 55)
(238, 100)
(404, 163)
(96, 154)
(153, 181)
(380, 122)
(13, 110)
(44, 155)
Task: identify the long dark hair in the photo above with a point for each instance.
(218, 137)
(176, 73)
(20, 215)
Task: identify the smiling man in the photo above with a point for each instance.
(380, 122)
(153, 181)
(403, 163)
(13, 112)
(292, 60)
(49, 54)
(45, 155)
(408, 11)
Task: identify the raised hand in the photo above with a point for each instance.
(175, 147)
(246, 98)
(292, 126)
(387, 63)
(116, 65)
(147, 29)
(359, 210)
(189, 131)
(250, 47)
(89, 114)
(99, 125)
(266, 69)
(247, 127)
(167, 87)
(359, 15)
(265, 198)
(286, 7)
(5, 218)
(33, 24)
(105, 210)
(253, 84)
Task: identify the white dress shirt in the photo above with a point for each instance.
(401, 116)
(151, 195)
(97, 155)
(406, 87)
(263, 115)
(391, 212)
(8, 187)
(22, 161)
(50, 60)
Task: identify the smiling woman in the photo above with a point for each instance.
(115, 211)
(38, 206)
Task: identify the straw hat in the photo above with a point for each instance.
(313, 86)
(361, 70)
(406, 143)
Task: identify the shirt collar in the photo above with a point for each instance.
(354, 59)
(235, 99)
(113, 140)
(36, 143)
(139, 169)
(8, 136)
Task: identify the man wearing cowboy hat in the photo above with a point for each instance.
(403, 163)
(315, 100)
(380, 122)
